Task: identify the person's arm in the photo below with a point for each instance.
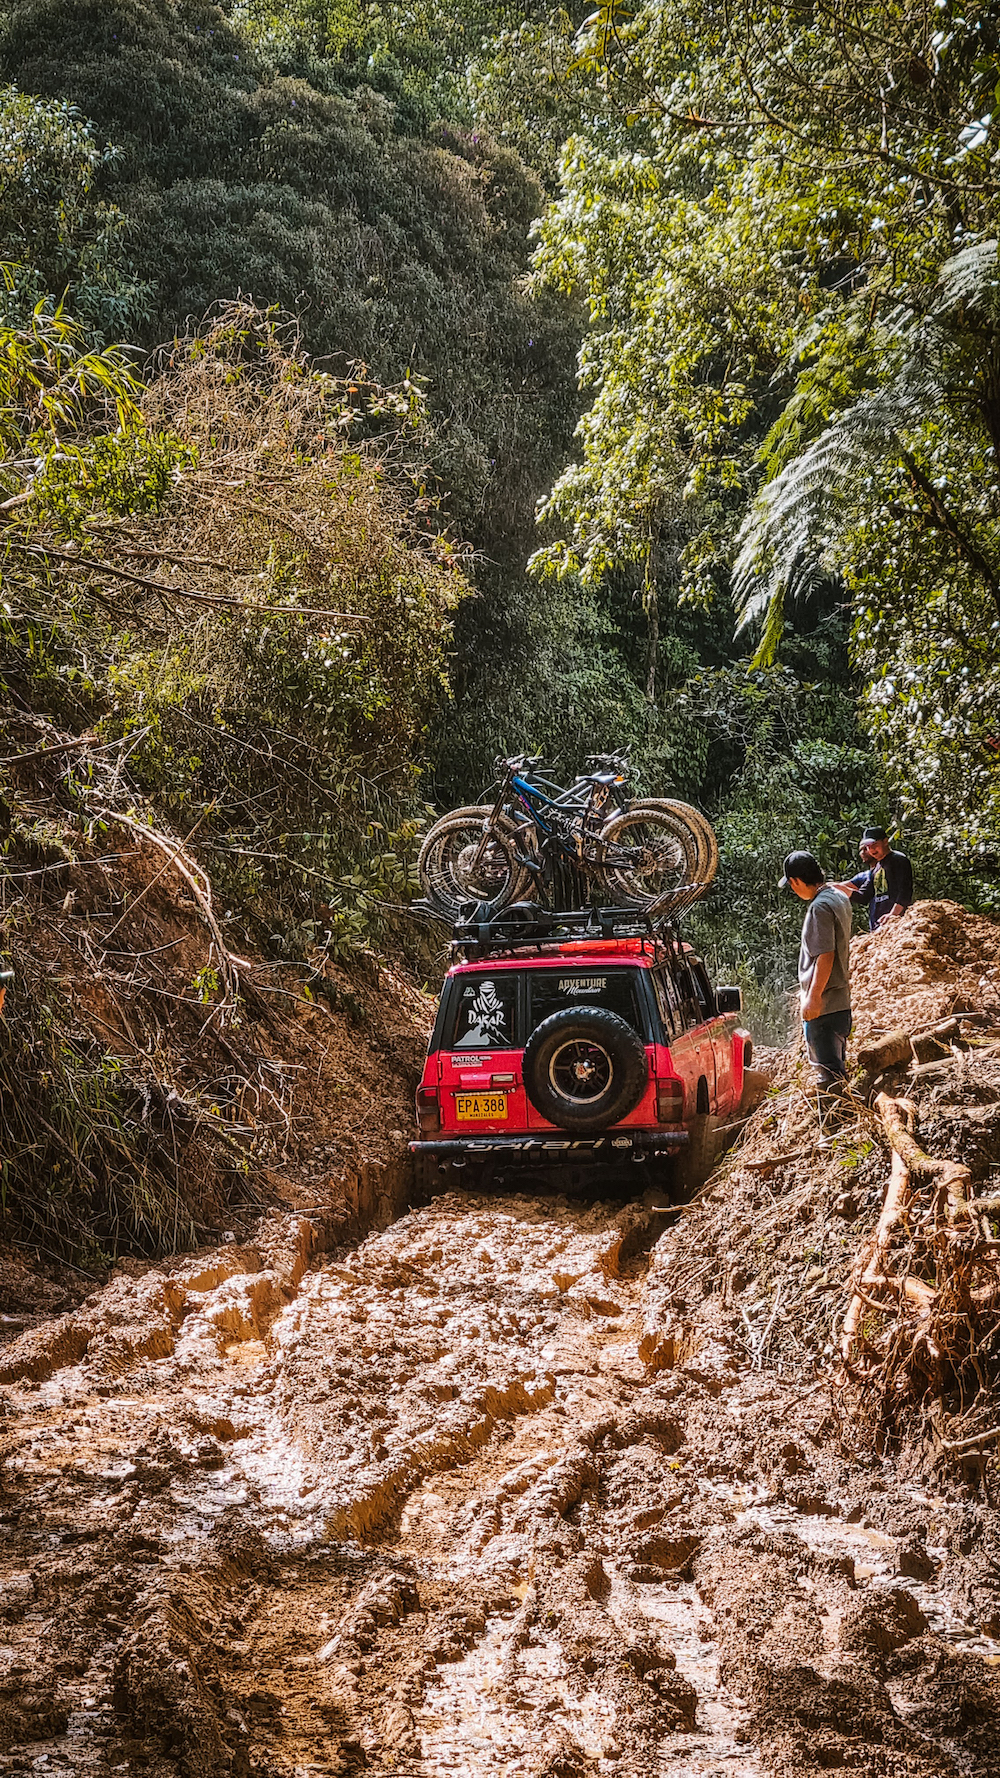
(859, 890)
(812, 1002)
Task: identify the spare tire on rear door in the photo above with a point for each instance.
(584, 1068)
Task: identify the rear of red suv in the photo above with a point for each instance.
(587, 1053)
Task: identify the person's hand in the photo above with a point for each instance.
(809, 1011)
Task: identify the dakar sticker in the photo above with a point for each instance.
(487, 1018)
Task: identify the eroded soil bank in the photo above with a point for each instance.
(509, 1485)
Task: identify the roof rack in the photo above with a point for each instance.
(524, 929)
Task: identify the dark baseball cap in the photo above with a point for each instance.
(873, 836)
(804, 867)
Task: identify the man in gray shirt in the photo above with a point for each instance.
(824, 969)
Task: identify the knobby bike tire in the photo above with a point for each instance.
(439, 879)
(700, 826)
(621, 879)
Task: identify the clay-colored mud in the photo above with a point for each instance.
(451, 1502)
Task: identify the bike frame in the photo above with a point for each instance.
(579, 800)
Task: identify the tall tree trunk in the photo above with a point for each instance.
(651, 606)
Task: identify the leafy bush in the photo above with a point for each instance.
(260, 609)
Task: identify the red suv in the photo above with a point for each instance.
(560, 1050)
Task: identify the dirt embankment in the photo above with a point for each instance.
(144, 1108)
(770, 1247)
(513, 1485)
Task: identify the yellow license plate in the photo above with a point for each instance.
(472, 1106)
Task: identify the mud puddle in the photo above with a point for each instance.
(429, 1506)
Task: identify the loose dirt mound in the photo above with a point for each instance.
(937, 960)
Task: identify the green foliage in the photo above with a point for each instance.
(400, 240)
(83, 1169)
(783, 224)
(791, 769)
(56, 233)
(50, 384)
(260, 613)
(773, 231)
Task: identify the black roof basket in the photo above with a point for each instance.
(524, 929)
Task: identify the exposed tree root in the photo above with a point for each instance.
(901, 1327)
(952, 1178)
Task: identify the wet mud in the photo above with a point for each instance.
(454, 1500)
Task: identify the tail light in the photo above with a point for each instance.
(428, 1111)
(669, 1101)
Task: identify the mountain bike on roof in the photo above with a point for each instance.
(642, 853)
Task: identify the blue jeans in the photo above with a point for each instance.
(826, 1041)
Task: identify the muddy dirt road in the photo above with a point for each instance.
(448, 1502)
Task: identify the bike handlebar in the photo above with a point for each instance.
(519, 762)
(611, 760)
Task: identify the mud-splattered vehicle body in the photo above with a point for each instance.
(581, 1052)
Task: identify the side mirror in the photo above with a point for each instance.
(729, 999)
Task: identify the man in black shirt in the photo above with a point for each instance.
(885, 887)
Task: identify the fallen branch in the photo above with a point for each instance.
(969, 1444)
(886, 1052)
(197, 882)
(154, 880)
(95, 565)
(928, 1045)
(774, 1162)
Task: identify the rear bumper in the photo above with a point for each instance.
(606, 1145)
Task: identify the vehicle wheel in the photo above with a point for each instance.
(648, 852)
(450, 874)
(694, 1162)
(584, 1068)
(701, 828)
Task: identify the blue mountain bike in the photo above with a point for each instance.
(651, 854)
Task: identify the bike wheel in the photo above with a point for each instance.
(649, 851)
(450, 873)
(701, 828)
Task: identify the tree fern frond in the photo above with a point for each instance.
(969, 277)
(779, 545)
(774, 629)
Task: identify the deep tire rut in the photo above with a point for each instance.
(453, 1502)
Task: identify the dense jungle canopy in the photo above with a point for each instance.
(625, 377)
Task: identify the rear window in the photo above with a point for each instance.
(482, 1010)
(551, 990)
(485, 1013)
